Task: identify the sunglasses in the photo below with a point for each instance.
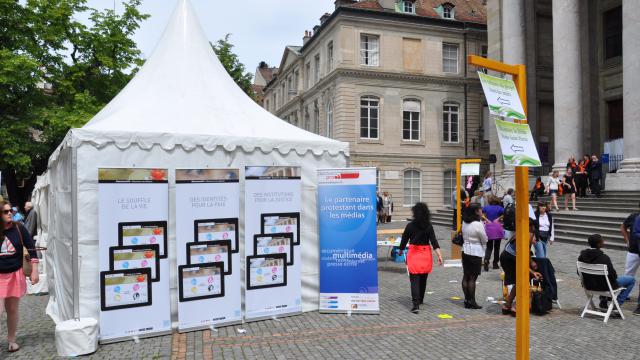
(7, 212)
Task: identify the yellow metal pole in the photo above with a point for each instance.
(522, 238)
(522, 213)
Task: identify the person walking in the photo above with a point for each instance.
(508, 198)
(378, 208)
(15, 240)
(544, 230)
(552, 188)
(538, 190)
(596, 175)
(31, 222)
(630, 230)
(421, 237)
(492, 215)
(569, 189)
(473, 250)
(386, 207)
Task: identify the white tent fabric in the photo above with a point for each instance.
(181, 110)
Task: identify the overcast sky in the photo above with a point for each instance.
(260, 29)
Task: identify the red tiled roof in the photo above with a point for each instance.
(268, 73)
(465, 10)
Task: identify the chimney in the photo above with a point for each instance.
(307, 36)
(340, 3)
(324, 18)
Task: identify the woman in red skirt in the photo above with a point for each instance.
(421, 237)
(14, 238)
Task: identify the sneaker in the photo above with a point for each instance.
(415, 310)
(637, 311)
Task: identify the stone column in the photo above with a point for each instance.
(567, 81)
(628, 177)
(509, 16)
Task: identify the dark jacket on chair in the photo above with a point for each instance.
(595, 282)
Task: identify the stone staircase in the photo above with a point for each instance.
(595, 215)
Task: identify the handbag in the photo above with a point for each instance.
(26, 258)
(541, 304)
(458, 239)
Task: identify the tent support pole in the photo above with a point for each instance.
(74, 233)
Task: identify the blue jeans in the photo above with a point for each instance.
(628, 282)
(541, 248)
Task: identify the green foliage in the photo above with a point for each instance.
(41, 42)
(223, 48)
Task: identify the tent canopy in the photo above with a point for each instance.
(183, 89)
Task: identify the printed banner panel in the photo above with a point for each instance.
(208, 258)
(134, 268)
(272, 241)
(348, 253)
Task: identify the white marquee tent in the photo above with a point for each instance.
(181, 110)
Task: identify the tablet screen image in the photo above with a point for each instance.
(202, 281)
(265, 271)
(274, 244)
(210, 251)
(136, 257)
(217, 229)
(125, 288)
(282, 223)
(144, 233)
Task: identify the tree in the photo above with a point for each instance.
(223, 48)
(55, 74)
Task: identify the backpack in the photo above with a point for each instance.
(509, 217)
(541, 303)
(635, 235)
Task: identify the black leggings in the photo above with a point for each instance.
(469, 287)
(418, 287)
(495, 246)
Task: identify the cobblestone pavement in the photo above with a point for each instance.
(395, 333)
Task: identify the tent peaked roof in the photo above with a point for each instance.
(183, 89)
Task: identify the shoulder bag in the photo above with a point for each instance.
(26, 259)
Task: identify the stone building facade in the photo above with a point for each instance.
(390, 78)
(582, 75)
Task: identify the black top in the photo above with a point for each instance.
(415, 235)
(11, 249)
(633, 246)
(569, 181)
(595, 282)
(595, 170)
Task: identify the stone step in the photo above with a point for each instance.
(582, 233)
(583, 241)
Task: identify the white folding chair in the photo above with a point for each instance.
(599, 270)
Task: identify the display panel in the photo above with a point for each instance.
(144, 233)
(265, 271)
(274, 244)
(278, 223)
(217, 229)
(122, 289)
(201, 281)
(210, 251)
(136, 257)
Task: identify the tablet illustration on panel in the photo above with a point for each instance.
(282, 223)
(136, 257)
(266, 271)
(210, 251)
(200, 281)
(217, 229)
(274, 244)
(121, 289)
(144, 233)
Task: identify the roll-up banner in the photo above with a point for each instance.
(347, 229)
(272, 241)
(207, 241)
(134, 266)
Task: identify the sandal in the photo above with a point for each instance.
(13, 347)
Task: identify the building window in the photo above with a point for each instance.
(612, 27)
(307, 76)
(408, 6)
(450, 114)
(330, 57)
(290, 90)
(411, 120)
(330, 120)
(450, 58)
(447, 11)
(316, 70)
(449, 186)
(369, 50)
(369, 114)
(411, 187)
(307, 118)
